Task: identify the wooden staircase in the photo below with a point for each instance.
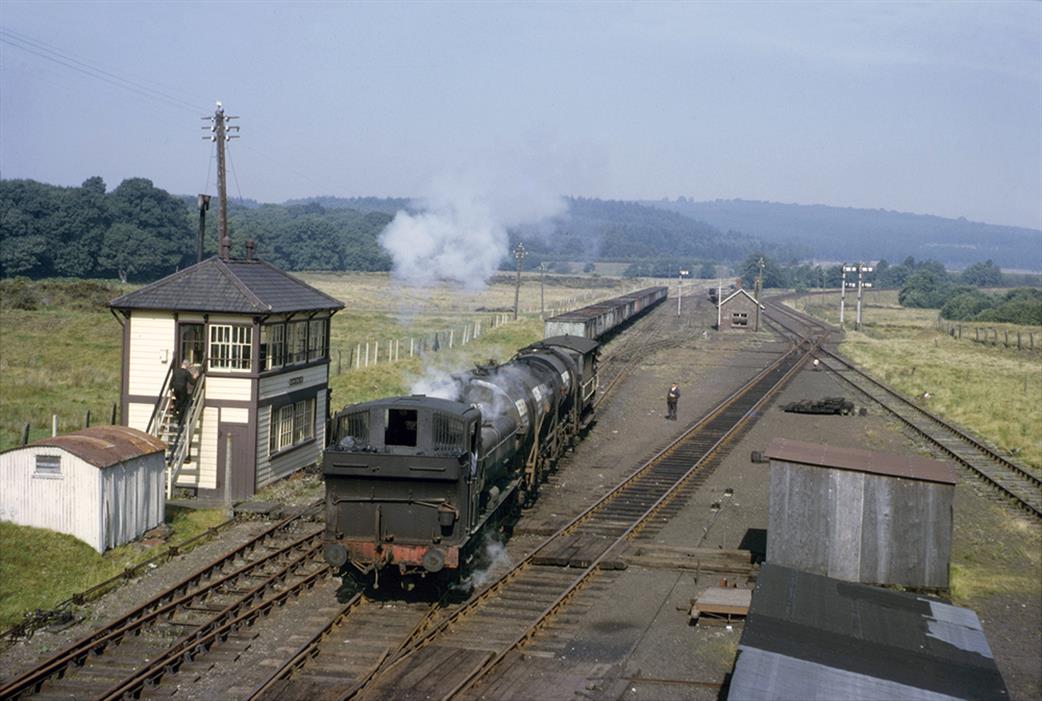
(182, 440)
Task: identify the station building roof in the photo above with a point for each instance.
(808, 636)
(216, 285)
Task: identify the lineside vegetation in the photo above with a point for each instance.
(993, 391)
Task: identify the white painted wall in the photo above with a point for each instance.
(278, 385)
(206, 478)
(151, 351)
(103, 508)
(133, 496)
(138, 415)
(235, 415)
(228, 388)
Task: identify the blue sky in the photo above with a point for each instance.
(932, 108)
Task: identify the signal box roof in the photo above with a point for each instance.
(230, 286)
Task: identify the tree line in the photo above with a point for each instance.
(141, 232)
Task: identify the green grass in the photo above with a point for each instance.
(42, 568)
(56, 361)
(993, 391)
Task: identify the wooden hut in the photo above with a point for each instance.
(860, 515)
(813, 637)
(739, 310)
(103, 485)
(258, 340)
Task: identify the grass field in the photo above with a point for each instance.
(993, 391)
(61, 356)
(42, 568)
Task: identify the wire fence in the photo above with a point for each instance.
(989, 335)
(375, 351)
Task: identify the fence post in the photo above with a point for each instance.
(452, 333)
(113, 421)
(54, 425)
(367, 353)
(86, 419)
(358, 356)
(410, 346)
(338, 358)
(25, 433)
(1005, 337)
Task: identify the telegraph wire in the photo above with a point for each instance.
(37, 48)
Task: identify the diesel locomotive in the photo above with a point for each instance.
(413, 482)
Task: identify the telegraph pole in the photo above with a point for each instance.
(542, 302)
(759, 278)
(519, 255)
(680, 287)
(204, 204)
(219, 129)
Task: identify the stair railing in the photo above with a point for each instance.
(162, 404)
(183, 440)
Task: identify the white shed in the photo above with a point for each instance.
(103, 485)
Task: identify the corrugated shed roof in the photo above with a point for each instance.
(104, 446)
(231, 286)
(909, 467)
(810, 636)
(888, 464)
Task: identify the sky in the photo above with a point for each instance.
(933, 108)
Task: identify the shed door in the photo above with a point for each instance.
(243, 468)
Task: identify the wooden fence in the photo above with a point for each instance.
(989, 335)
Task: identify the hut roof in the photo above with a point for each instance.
(887, 464)
(737, 292)
(811, 636)
(104, 446)
(232, 286)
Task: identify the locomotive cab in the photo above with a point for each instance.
(402, 485)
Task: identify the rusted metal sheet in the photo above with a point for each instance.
(870, 461)
(399, 554)
(722, 604)
(104, 446)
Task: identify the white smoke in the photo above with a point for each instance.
(436, 383)
(459, 231)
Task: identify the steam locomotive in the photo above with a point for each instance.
(413, 482)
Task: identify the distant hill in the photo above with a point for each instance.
(594, 229)
(846, 233)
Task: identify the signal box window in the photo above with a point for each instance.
(400, 427)
(740, 319)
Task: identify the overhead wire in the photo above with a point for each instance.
(49, 53)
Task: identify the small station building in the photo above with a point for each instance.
(739, 310)
(102, 485)
(257, 340)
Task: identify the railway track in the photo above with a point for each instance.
(182, 623)
(463, 648)
(1015, 482)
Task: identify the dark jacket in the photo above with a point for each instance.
(180, 381)
(673, 394)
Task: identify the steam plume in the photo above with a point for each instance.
(459, 231)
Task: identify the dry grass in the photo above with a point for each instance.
(992, 391)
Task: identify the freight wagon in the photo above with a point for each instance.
(597, 320)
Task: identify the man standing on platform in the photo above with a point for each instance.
(671, 401)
